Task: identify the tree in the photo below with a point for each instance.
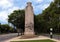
(17, 19)
(51, 15)
(5, 28)
(50, 18)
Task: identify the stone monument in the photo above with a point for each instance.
(29, 20)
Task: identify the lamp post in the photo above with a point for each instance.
(51, 29)
(51, 34)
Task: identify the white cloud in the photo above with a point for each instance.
(35, 1)
(4, 14)
(7, 7)
(44, 6)
(51, 0)
(39, 0)
(12, 9)
(5, 3)
(41, 7)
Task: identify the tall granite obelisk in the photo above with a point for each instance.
(29, 19)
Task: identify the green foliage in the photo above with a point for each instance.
(17, 18)
(50, 18)
(5, 28)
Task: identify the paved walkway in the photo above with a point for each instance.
(5, 37)
(36, 38)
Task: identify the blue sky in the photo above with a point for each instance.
(8, 6)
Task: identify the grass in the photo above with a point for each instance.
(35, 41)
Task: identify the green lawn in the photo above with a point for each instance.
(35, 41)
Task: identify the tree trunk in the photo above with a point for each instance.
(18, 31)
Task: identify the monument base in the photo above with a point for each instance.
(28, 35)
